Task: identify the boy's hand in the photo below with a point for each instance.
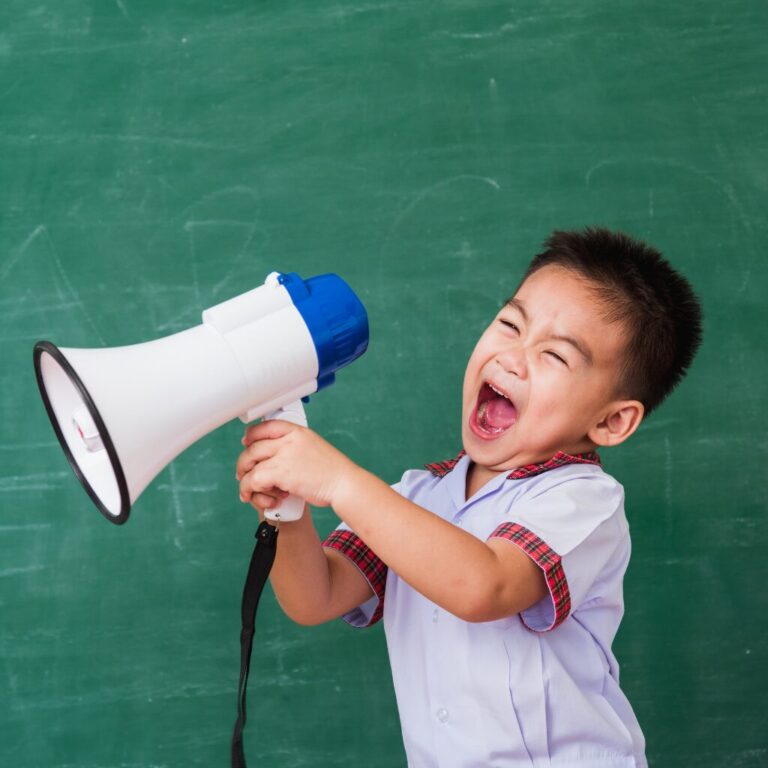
(281, 458)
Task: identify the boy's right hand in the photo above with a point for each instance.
(261, 501)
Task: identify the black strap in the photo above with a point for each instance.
(258, 570)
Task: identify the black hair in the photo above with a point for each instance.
(635, 286)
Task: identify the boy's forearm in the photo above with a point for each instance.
(300, 575)
(419, 545)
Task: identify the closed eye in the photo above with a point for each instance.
(510, 325)
(556, 356)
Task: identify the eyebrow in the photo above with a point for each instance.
(579, 345)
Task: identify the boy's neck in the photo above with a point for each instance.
(477, 477)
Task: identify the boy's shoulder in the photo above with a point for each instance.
(574, 478)
(563, 504)
(564, 485)
(571, 504)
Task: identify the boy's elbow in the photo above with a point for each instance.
(308, 621)
(484, 604)
(302, 615)
(478, 612)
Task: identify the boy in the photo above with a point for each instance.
(499, 574)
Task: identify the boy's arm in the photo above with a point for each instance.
(313, 584)
(473, 579)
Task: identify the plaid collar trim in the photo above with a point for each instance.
(442, 468)
(560, 459)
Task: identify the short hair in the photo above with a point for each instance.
(637, 287)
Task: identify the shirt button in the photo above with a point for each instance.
(435, 615)
(442, 715)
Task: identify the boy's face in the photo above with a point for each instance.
(556, 390)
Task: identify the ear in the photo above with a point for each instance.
(621, 419)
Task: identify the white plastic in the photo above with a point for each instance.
(87, 429)
(66, 403)
(251, 355)
(292, 507)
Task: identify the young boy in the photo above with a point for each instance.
(499, 574)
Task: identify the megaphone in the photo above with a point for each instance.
(122, 414)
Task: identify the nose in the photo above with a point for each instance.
(513, 361)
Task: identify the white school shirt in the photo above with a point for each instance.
(536, 689)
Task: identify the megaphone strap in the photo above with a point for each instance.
(258, 571)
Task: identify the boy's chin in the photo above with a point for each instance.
(491, 463)
(488, 451)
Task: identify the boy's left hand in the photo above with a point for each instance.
(279, 454)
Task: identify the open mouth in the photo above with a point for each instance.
(494, 413)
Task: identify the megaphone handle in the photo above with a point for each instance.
(292, 507)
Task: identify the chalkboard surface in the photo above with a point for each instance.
(157, 158)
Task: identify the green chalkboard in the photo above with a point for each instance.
(157, 158)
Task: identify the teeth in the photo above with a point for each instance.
(497, 391)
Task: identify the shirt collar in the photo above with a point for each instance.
(561, 458)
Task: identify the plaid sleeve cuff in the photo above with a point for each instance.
(371, 566)
(556, 612)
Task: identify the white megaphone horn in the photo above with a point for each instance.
(122, 414)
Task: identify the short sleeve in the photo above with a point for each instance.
(573, 528)
(349, 544)
(344, 540)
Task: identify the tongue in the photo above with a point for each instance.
(500, 413)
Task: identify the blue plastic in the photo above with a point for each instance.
(335, 317)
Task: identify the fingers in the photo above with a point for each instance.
(252, 491)
(265, 500)
(253, 484)
(268, 430)
(252, 455)
(261, 444)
